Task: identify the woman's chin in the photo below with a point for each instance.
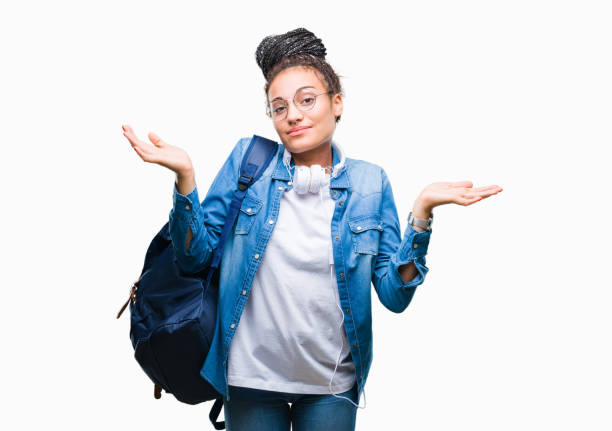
(299, 148)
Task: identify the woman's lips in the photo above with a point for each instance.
(298, 132)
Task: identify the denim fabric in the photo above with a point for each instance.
(367, 245)
(258, 410)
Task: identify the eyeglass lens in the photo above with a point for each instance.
(304, 99)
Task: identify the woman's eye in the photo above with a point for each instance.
(307, 100)
(279, 109)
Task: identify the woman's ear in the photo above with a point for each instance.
(337, 105)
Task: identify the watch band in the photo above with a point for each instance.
(419, 222)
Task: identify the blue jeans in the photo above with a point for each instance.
(259, 410)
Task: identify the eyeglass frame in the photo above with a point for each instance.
(269, 110)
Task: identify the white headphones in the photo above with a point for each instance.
(312, 178)
(308, 179)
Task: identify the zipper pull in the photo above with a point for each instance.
(131, 299)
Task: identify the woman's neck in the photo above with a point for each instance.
(321, 155)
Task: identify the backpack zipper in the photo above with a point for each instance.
(131, 298)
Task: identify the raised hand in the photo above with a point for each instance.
(160, 152)
(460, 193)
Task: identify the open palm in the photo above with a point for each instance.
(159, 152)
(460, 192)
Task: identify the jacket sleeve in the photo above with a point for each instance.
(391, 289)
(206, 219)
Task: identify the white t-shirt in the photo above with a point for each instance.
(291, 331)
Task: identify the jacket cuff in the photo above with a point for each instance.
(185, 206)
(414, 244)
(413, 248)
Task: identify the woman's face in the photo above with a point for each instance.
(320, 121)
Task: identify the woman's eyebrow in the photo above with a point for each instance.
(301, 88)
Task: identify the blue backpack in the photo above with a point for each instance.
(173, 314)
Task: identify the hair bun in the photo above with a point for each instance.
(273, 49)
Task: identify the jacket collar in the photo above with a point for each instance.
(340, 181)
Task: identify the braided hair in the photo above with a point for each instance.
(298, 47)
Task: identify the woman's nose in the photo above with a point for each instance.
(293, 113)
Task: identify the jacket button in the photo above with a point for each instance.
(187, 207)
(415, 245)
(280, 187)
(256, 256)
(249, 210)
(341, 203)
(342, 275)
(233, 325)
(358, 227)
(348, 311)
(289, 183)
(337, 238)
(244, 292)
(360, 377)
(270, 221)
(355, 345)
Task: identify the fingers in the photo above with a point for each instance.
(494, 188)
(139, 152)
(470, 191)
(141, 148)
(131, 136)
(491, 190)
(468, 201)
(157, 141)
(483, 194)
(469, 185)
(145, 154)
(477, 195)
(462, 184)
(463, 192)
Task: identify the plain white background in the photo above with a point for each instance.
(511, 329)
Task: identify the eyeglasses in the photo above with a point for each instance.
(304, 99)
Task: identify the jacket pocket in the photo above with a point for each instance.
(246, 216)
(366, 231)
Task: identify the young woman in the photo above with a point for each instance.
(293, 343)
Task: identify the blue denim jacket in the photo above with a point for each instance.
(365, 233)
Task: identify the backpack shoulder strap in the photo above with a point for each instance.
(256, 159)
(213, 415)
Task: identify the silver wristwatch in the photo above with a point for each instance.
(419, 222)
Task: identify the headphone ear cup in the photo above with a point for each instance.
(301, 179)
(316, 178)
(308, 179)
